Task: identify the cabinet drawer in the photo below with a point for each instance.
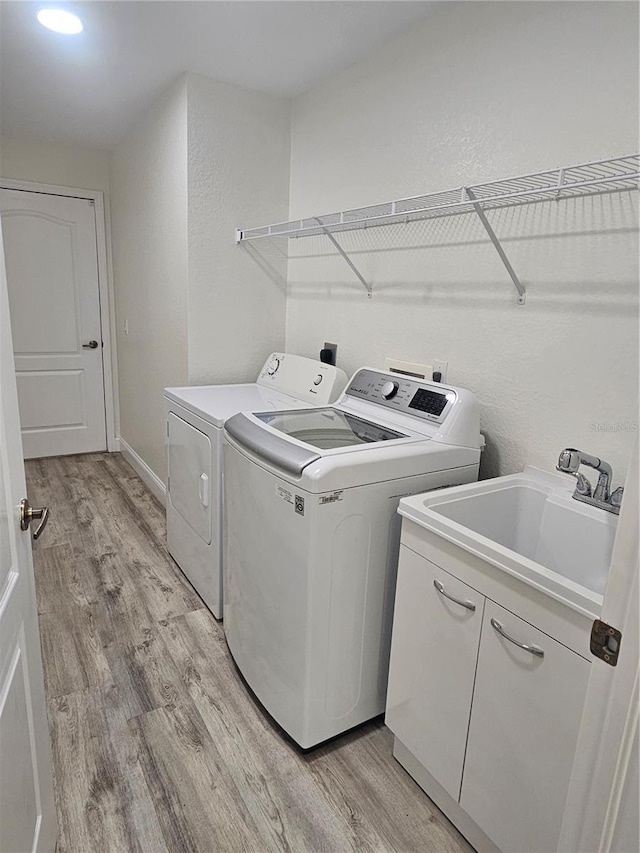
(522, 736)
(433, 660)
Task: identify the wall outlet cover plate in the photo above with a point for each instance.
(418, 371)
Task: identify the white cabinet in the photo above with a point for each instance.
(433, 661)
(523, 732)
(494, 725)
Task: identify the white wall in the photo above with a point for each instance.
(61, 165)
(148, 179)
(199, 308)
(238, 162)
(482, 91)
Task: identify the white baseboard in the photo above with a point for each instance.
(145, 473)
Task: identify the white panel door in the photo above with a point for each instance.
(27, 812)
(52, 272)
(602, 806)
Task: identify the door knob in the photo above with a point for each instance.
(29, 513)
(90, 345)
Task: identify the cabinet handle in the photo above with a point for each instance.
(533, 649)
(468, 604)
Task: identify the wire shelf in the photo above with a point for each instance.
(615, 174)
(602, 176)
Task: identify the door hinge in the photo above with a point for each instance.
(605, 642)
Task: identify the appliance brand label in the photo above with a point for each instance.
(331, 498)
(284, 494)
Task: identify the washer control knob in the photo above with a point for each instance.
(318, 379)
(389, 390)
(273, 365)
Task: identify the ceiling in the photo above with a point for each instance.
(88, 89)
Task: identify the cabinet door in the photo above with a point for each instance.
(522, 736)
(434, 648)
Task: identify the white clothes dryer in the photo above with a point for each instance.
(312, 535)
(195, 416)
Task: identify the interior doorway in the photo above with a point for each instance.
(55, 245)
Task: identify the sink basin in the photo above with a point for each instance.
(529, 526)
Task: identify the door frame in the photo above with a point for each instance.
(610, 717)
(105, 292)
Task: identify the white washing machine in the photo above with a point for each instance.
(195, 416)
(312, 536)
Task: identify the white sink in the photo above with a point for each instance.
(528, 525)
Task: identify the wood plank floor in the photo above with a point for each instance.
(157, 743)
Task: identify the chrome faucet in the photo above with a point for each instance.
(570, 461)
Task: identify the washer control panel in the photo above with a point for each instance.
(428, 400)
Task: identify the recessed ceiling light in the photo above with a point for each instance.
(60, 21)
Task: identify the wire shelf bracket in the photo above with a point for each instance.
(363, 281)
(522, 295)
(612, 175)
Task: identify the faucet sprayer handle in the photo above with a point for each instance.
(569, 461)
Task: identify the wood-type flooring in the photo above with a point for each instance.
(157, 743)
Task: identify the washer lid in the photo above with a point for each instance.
(328, 428)
(278, 451)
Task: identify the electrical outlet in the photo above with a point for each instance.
(442, 367)
(333, 349)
